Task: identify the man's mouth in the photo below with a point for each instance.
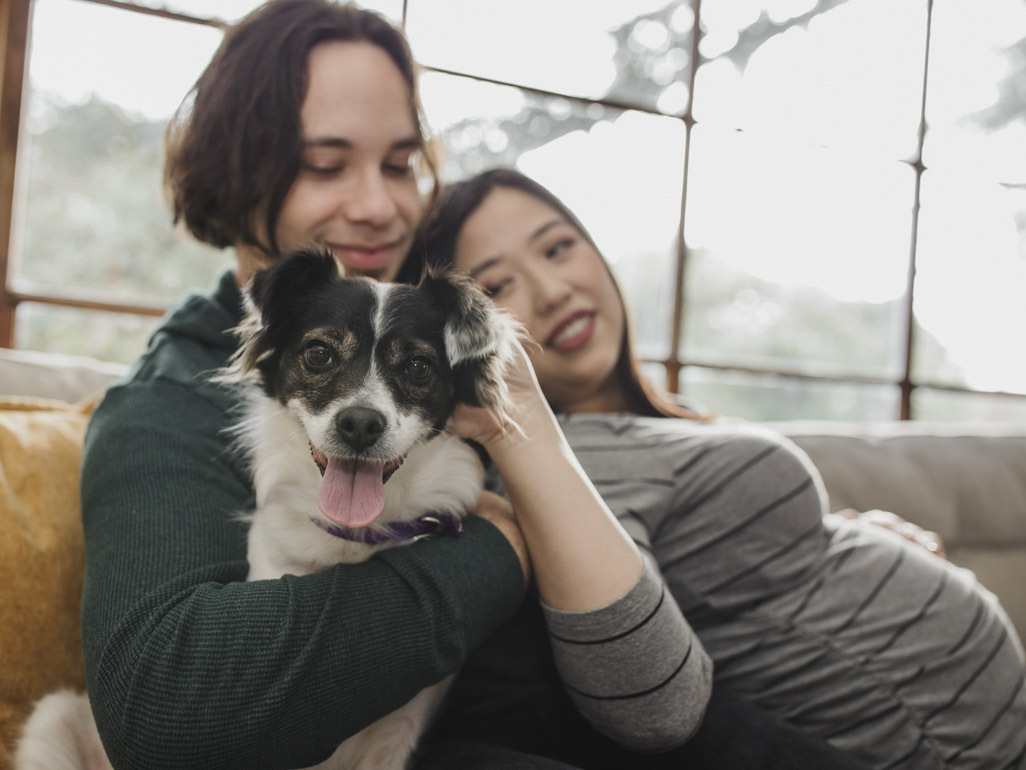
(352, 491)
(361, 257)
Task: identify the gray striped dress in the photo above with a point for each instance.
(840, 627)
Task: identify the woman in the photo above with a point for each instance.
(840, 627)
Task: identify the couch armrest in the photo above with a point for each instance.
(54, 376)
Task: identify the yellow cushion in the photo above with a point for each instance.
(41, 555)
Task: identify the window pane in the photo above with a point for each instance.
(619, 171)
(107, 336)
(833, 72)
(93, 216)
(637, 52)
(226, 10)
(798, 257)
(233, 10)
(764, 397)
(970, 282)
(948, 406)
(976, 106)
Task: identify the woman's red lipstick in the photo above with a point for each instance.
(573, 332)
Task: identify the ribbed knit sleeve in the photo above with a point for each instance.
(190, 666)
(634, 668)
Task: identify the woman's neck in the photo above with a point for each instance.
(610, 398)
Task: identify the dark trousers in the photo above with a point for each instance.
(733, 736)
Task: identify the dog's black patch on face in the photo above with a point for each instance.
(315, 327)
(411, 353)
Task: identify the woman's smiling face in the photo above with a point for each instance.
(539, 266)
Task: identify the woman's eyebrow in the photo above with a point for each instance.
(538, 233)
(488, 263)
(545, 228)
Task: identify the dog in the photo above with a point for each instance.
(347, 385)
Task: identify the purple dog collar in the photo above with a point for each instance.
(399, 532)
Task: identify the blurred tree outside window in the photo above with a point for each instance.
(850, 244)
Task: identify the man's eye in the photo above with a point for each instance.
(317, 356)
(418, 369)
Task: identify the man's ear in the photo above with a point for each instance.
(479, 338)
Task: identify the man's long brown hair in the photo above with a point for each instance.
(462, 199)
(234, 147)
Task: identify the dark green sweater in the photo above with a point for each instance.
(190, 666)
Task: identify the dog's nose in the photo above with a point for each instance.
(360, 427)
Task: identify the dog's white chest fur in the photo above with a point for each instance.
(440, 475)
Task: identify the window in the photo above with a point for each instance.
(816, 208)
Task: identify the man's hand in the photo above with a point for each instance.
(499, 512)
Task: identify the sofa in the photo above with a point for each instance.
(966, 482)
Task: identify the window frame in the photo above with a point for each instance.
(15, 17)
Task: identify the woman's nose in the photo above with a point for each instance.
(370, 200)
(549, 289)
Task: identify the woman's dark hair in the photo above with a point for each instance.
(462, 199)
(234, 146)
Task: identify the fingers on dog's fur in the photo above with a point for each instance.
(479, 340)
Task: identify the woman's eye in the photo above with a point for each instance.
(317, 356)
(559, 247)
(418, 369)
(493, 290)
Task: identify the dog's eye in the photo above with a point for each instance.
(418, 369)
(317, 356)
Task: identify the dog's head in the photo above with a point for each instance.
(370, 369)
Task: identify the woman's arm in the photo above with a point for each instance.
(625, 652)
(582, 558)
(188, 665)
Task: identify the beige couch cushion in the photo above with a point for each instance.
(965, 481)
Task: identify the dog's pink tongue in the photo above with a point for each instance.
(352, 493)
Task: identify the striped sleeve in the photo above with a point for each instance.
(634, 668)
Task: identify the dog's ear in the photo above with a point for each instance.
(479, 339)
(270, 297)
(273, 290)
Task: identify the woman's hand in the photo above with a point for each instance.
(529, 415)
(580, 556)
(928, 539)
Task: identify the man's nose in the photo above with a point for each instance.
(370, 200)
